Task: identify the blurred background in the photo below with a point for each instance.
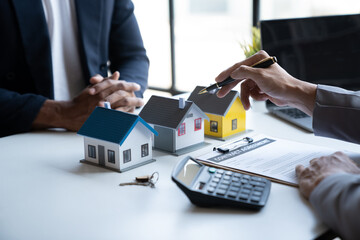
(206, 35)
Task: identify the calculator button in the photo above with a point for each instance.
(220, 171)
(211, 189)
(259, 189)
(244, 196)
(212, 170)
(227, 182)
(226, 177)
(213, 184)
(216, 180)
(221, 192)
(255, 199)
(232, 194)
(244, 181)
(246, 177)
(236, 179)
(223, 186)
(229, 173)
(255, 183)
(218, 175)
(255, 178)
(245, 191)
(236, 184)
(237, 175)
(235, 189)
(256, 193)
(247, 186)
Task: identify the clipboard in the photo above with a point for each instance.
(264, 156)
(249, 173)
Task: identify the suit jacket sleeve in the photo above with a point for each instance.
(336, 200)
(337, 113)
(18, 111)
(126, 50)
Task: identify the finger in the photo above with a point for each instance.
(245, 93)
(126, 109)
(249, 61)
(129, 86)
(226, 89)
(129, 102)
(115, 85)
(115, 76)
(246, 72)
(96, 79)
(299, 170)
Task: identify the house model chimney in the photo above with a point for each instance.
(181, 103)
(107, 105)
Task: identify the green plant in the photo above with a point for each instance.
(254, 46)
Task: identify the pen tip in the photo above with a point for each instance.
(202, 91)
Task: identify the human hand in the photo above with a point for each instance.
(322, 167)
(119, 93)
(272, 83)
(71, 115)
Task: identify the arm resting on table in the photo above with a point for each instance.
(336, 200)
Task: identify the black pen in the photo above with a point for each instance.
(266, 62)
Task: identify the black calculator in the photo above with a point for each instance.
(208, 186)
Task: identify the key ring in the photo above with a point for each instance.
(155, 174)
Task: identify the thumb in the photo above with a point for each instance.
(115, 76)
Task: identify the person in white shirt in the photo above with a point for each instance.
(56, 59)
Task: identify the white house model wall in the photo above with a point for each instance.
(191, 135)
(138, 137)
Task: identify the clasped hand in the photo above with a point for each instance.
(119, 93)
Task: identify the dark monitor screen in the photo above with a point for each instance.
(322, 50)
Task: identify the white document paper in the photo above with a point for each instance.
(267, 156)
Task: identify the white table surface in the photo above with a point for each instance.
(45, 193)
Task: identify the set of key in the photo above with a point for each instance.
(147, 180)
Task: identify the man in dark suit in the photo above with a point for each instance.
(108, 40)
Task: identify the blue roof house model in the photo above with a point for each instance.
(116, 140)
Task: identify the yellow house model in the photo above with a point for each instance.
(227, 115)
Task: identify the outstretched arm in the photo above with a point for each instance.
(272, 83)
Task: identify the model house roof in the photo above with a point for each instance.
(111, 125)
(210, 103)
(166, 112)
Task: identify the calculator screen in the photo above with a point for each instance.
(189, 172)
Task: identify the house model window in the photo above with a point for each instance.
(111, 156)
(234, 124)
(144, 150)
(127, 155)
(91, 151)
(197, 124)
(213, 126)
(181, 130)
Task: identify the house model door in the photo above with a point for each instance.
(101, 150)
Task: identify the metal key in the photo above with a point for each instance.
(144, 180)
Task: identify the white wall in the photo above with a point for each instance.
(191, 137)
(139, 136)
(107, 145)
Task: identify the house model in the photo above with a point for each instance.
(227, 115)
(180, 123)
(116, 140)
